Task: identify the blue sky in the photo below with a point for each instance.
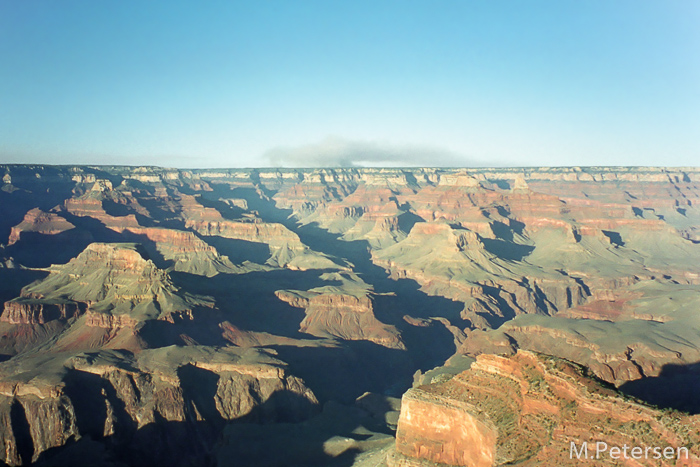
(260, 83)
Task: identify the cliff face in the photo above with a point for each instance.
(442, 431)
(526, 410)
(182, 249)
(187, 397)
(19, 312)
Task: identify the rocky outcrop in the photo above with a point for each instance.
(343, 316)
(260, 232)
(22, 311)
(45, 223)
(527, 410)
(108, 321)
(91, 206)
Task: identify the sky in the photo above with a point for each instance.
(350, 83)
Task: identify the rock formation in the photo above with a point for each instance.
(45, 223)
(528, 410)
(184, 395)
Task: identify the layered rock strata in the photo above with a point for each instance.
(531, 409)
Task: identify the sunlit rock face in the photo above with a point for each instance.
(527, 410)
(443, 431)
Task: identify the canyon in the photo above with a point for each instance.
(350, 316)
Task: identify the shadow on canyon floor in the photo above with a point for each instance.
(33, 192)
(262, 438)
(13, 280)
(203, 329)
(249, 301)
(240, 251)
(677, 387)
(36, 250)
(345, 372)
(22, 431)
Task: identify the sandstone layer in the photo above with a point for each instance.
(528, 409)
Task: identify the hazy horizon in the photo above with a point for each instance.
(314, 84)
(356, 167)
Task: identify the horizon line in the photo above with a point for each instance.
(146, 166)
